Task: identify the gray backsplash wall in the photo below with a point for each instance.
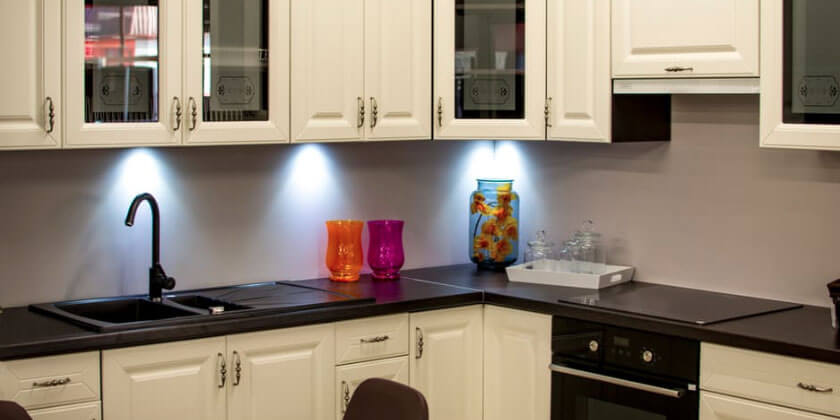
(708, 210)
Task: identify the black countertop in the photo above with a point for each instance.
(804, 332)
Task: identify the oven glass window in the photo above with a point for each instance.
(812, 62)
(596, 409)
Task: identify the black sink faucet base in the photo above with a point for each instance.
(158, 280)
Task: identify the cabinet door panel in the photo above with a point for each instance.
(398, 68)
(720, 407)
(327, 70)
(237, 71)
(448, 370)
(517, 353)
(89, 411)
(349, 377)
(285, 374)
(123, 73)
(30, 38)
(705, 38)
(170, 381)
(579, 80)
(489, 80)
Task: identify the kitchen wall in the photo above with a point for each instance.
(708, 210)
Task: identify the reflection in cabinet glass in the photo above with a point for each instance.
(121, 61)
(811, 62)
(235, 60)
(490, 59)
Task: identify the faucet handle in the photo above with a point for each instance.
(168, 283)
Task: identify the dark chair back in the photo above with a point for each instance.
(12, 411)
(381, 399)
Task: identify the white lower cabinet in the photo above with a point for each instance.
(721, 407)
(283, 374)
(517, 353)
(89, 411)
(171, 381)
(349, 377)
(447, 362)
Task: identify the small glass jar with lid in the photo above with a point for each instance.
(540, 251)
(592, 257)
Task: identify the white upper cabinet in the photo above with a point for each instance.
(489, 80)
(30, 109)
(122, 73)
(667, 38)
(579, 105)
(800, 86)
(447, 363)
(361, 70)
(398, 69)
(236, 71)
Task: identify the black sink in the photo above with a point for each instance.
(206, 304)
(117, 314)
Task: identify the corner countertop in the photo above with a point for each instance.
(805, 332)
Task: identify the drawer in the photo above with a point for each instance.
(51, 381)
(721, 407)
(349, 377)
(371, 338)
(89, 411)
(771, 378)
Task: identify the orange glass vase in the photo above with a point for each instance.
(344, 249)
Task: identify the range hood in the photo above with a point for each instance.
(682, 86)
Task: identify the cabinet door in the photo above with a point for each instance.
(719, 407)
(89, 411)
(398, 69)
(30, 109)
(446, 362)
(170, 381)
(285, 374)
(517, 353)
(123, 73)
(328, 93)
(349, 377)
(489, 69)
(666, 38)
(579, 79)
(236, 71)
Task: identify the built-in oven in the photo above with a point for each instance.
(601, 372)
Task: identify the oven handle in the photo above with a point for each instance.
(668, 392)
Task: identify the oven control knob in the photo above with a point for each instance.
(594, 346)
(647, 356)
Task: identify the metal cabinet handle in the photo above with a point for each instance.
(51, 383)
(50, 115)
(374, 112)
(345, 387)
(178, 113)
(814, 388)
(193, 113)
(378, 339)
(361, 105)
(440, 112)
(222, 370)
(237, 368)
(548, 112)
(419, 334)
(677, 69)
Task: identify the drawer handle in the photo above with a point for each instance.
(378, 339)
(51, 383)
(814, 388)
(677, 69)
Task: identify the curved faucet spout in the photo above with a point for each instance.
(158, 279)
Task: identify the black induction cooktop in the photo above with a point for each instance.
(693, 306)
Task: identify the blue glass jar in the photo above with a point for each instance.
(494, 224)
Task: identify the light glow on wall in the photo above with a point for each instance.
(310, 173)
(140, 171)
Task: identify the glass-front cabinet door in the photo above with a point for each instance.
(123, 72)
(800, 86)
(489, 69)
(236, 71)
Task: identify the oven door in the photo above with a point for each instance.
(578, 394)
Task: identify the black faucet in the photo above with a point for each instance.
(158, 279)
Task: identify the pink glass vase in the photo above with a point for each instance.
(385, 253)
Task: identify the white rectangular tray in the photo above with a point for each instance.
(552, 272)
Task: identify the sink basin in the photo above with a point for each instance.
(117, 314)
(204, 303)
